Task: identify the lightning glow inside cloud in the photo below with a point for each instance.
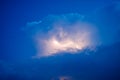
(64, 33)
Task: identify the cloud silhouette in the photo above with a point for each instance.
(63, 33)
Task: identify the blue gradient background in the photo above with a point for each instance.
(17, 47)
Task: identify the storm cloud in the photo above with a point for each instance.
(71, 33)
(63, 33)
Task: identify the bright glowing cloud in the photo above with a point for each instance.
(64, 33)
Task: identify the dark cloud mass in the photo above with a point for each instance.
(77, 66)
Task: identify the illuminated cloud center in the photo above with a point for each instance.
(63, 41)
(68, 34)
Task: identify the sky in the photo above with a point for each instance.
(21, 56)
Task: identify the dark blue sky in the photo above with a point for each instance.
(17, 46)
(15, 14)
